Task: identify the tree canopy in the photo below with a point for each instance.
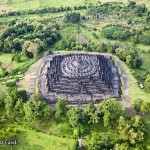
(72, 17)
(111, 109)
(76, 116)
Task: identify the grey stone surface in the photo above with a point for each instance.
(79, 77)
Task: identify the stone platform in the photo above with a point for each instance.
(79, 78)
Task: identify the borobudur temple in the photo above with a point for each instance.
(79, 78)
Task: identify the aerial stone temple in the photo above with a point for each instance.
(79, 78)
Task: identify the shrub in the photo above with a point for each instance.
(22, 94)
(144, 39)
(76, 145)
(11, 84)
(72, 17)
(116, 32)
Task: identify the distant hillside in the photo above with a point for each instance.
(11, 5)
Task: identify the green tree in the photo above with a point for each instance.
(47, 112)
(76, 116)
(132, 130)
(101, 142)
(90, 108)
(129, 60)
(2, 97)
(1, 64)
(30, 48)
(134, 136)
(147, 83)
(17, 44)
(42, 110)
(34, 49)
(9, 106)
(131, 4)
(35, 97)
(138, 123)
(29, 111)
(94, 117)
(17, 58)
(122, 146)
(19, 112)
(120, 53)
(138, 62)
(102, 47)
(72, 17)
(61, 107)
(22, 94)
(145, 106)
(12, 92)
(93, 113)
(123, 128)
(137, 104)
(110, 48)
(8, 44)
(10, 100)
(111, 109)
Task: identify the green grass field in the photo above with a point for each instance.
(32, 140)
(33, 4)
(7, 63)
(145, 55)
(135, 91)
(15, 69)
(5, 57)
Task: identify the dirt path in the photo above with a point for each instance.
(80, 143)
(4, 8)
(125, 84)
(35, 75)
(25, 82)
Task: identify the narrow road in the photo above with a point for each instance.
(80, 143)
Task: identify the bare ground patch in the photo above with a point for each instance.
(5, 8)
(24, 84)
